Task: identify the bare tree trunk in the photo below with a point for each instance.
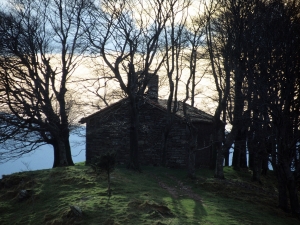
(226, 157)
(221, 149)
(222, 82)
(219, 173)
(213, 151)
(62, 153)
(164, 147)
(236, 158)
(134, 148)
(191, 146)
(293, 194)
(239, 155)
(287, 188)
(217, 143)
(243, 162)
(282, 192)
(165, 136)
(191, 163)
(257, 165)
(265, 160)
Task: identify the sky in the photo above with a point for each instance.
(3, 1)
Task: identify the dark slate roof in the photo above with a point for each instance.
(196, 115)
(104, 110)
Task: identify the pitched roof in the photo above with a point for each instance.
(195, 114)
(101, 111)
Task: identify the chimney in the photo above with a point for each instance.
(152, 92)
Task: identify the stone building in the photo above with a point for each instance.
(108, 129)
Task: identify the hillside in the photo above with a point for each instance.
(155, 196)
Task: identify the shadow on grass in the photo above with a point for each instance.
(137, 198)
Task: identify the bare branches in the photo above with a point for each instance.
(42, 44)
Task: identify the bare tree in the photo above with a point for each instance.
(99, 87)
(40, 49)
(175, 43)
(219, 44)
(126, 34)
(279, 82)
(195, 36)
(263, 61)
(194, 52)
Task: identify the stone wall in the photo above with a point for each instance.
(109, 130)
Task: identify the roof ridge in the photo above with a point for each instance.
(161, 104)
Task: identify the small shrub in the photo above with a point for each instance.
(105, 163)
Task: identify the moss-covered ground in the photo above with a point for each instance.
(154, 196)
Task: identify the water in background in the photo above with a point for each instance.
(43, 157)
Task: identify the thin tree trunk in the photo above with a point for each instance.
(256, 157)
(292, 190)
(282, 192)
(134, 148)
(213, 152)
(265, 161)
(219, 173)
(165, 136)
(226, 157)
(243, 150)
(293, 196)
(191, 163)
(239, 155)
(236, 155)
(286, 177)
(257, 165)
(226, 145)
(191, 145)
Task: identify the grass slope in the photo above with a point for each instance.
(156, 196)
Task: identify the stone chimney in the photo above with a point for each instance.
(152, 92)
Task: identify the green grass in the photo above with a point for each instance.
(155, 196)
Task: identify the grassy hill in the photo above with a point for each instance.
(156, 196)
